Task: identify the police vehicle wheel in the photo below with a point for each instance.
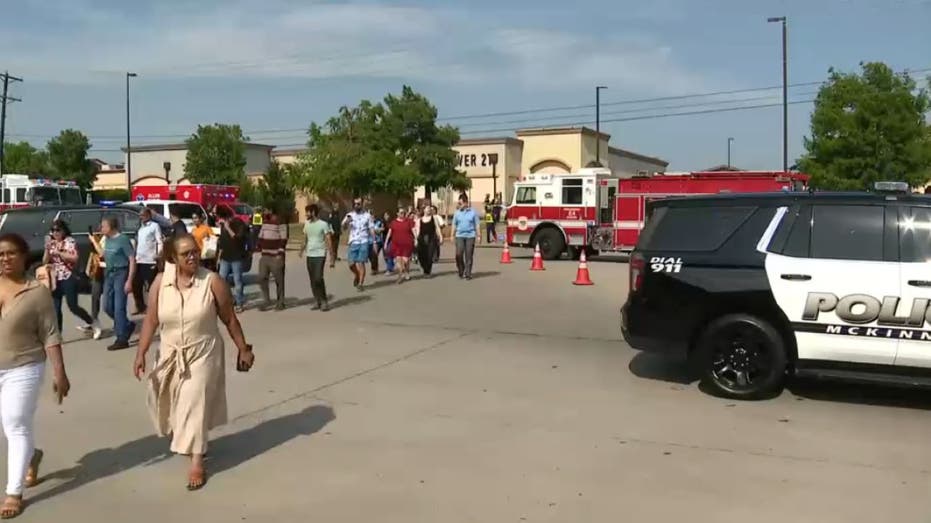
(551, 242)
(742, 357)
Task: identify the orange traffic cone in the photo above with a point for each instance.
(581, 276)
(537, 264)
(505, 254)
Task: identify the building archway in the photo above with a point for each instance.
(150, 181)
(550, 166)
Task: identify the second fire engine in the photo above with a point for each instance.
(593, 209)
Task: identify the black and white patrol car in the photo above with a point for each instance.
(755, 287)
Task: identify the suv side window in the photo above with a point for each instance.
(82, 221)
(129, 221)
(847, 232)
(915, 235)
(693, 229)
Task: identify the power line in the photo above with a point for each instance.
(651, 116)
(5, 98)
(610, 120)
(303, 130)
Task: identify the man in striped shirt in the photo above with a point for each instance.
(271, 243)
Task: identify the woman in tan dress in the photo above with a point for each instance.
(187, 387)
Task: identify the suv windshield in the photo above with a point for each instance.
(184, 210)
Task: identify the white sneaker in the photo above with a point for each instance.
(97, 330)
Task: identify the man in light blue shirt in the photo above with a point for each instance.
(148, 248)
(465, 228)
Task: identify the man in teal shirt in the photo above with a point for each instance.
(120, 258)
(318, 239)
(465, 227)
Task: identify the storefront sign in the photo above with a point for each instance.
(478, 160)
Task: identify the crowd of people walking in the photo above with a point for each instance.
(183, 296)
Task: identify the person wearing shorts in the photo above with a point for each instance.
(361, 232)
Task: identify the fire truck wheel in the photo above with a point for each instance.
(552, 244)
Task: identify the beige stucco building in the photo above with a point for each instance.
(164, 164)
(551, 150)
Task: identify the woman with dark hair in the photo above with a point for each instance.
(30, 336)
(61, 253)
(187, 387)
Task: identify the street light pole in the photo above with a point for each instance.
(598, 124)
(785, 91)
(729, 141)
(129, 154)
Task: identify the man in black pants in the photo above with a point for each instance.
(318, 239)
(336, 227)
(148, 248)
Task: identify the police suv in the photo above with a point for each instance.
(754, 287)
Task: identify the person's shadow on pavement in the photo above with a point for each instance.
(225, 452)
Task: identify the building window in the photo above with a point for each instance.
(572, 191)
(526, 196)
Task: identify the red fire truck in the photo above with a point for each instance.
(600, 212)
(19, 190)
(206, 195)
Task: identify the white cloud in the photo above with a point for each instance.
(281, 38)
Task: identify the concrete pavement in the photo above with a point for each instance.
(507, 398)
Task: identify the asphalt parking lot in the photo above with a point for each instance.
(509, 398)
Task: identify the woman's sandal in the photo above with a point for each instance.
(196, 480)
(11, 507)
(32, 473)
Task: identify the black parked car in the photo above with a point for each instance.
(33, 224)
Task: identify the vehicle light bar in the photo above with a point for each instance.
(897, 187)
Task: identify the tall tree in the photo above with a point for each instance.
(216, 154)
(868, 127)
(425, 146)
(392, 147)
(277, 191)
(67, 154)
(23, 158)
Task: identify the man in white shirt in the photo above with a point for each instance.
(361, 231)
(148, 248)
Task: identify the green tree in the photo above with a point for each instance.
(392, 147)
(277, 191)
(249, 191)
(868, 127)
(67, 155)
(23, 158)
(216, 155)
(425, 146)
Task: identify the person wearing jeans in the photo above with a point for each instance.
(30, 336)
(318, 239)
(232, 252)
(120, 258)
(61, 253)
(465, 227)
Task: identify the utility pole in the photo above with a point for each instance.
(598, 124)
(129, 152)
(4, 100)
(729, 141)
(785, 91)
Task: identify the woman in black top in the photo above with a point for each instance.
(429, 236)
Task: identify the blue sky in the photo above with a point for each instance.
(273, 66)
